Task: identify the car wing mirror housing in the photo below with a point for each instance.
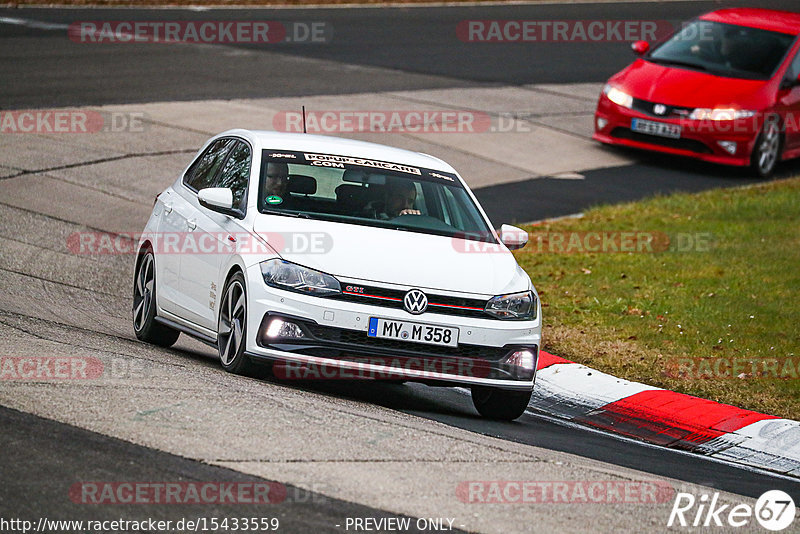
(789, 83)
(219, 199)
(512, 237)
(640, 48)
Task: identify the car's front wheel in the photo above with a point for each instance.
(766, 151)
(144, 304)
(232, 327)
(502, 404)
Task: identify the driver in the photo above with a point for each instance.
(399, 199)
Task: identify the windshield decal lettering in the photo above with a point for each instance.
(362, 162)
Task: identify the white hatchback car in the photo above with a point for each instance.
(332, 258)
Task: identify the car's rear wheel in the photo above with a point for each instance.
(766, 151)
(232, 326)
(144, 304)
(502, 404)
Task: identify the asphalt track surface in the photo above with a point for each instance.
(41, 69)
(48, 468)
(419, 45)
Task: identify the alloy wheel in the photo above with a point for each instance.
(143, 292)
(233, 313)
(768, 148)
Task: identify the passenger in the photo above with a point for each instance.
(276, 188)
(276, 180)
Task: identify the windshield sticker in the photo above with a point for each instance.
(274, 199)
(277, 155)
(363, 163)
(442, 176)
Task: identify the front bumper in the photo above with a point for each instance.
(336, 346)
(699, 138)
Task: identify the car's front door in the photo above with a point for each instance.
(216, 235)
(788, 104)
(185, 213)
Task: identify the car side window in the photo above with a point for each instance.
(794, 69)
(235, 174)
(201, 174)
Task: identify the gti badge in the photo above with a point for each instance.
(659, 109)
(415, 302)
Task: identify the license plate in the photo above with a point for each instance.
(413, 332)
(661, 129)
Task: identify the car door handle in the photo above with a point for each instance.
(192, 224)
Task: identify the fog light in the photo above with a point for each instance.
(278, 328)
(601, 123)
(728, 146)
(522, 358)
(522, 363)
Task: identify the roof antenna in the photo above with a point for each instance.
(304, 119)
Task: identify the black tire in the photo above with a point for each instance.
(145, 326)
(232, 328)
(767, 149)
(500, 404)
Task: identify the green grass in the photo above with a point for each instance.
(637, 314)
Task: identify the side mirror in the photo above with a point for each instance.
(640, 48)
(790, 83)
(216, 197)
(512, 237)
(219, 199)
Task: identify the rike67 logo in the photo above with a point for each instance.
(774, 510)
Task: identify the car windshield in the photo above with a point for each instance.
(368, 193)
(724, 49)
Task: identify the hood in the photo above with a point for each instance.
(394, 256)
(689, 88)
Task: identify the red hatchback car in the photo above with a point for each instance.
(723, 89)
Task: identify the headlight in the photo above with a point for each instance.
(721, 114)
(514, 306)
(285, 275)
(618, 97)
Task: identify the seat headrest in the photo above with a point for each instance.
(302, 184)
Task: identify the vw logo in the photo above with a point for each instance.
(659, 109)
(415, 302)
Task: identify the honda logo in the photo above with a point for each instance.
(415, 302)
(659, 109)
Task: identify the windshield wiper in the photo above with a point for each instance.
(296, 215)
(677, 63)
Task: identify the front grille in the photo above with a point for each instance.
(354, 338)
(681, 144)
(393, 298)
(648, 108)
